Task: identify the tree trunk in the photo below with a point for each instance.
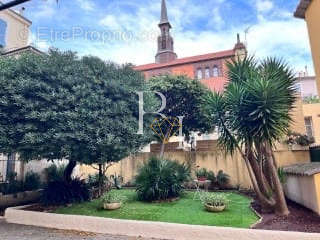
(281, 207)
(163, 145)
(68, 171)
(100, 180)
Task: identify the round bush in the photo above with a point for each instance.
(161, 179)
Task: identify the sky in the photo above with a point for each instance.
(125, 31)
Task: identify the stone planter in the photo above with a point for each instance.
(19, 198)
(111, 206)
(296, 147)
(210, 208)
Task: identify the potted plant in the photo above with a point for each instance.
(202, 174)
(214, 202)
(112, 200)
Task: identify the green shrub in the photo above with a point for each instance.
(161, 179)
(93, 180)
(13, 186)
(61, 193)
(117, 181)
(55, 173)
(202, 173)
(32, 181)
(113, 197)
(222, 179)
(282, 175)
(214, 199)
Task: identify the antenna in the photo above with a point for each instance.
(246, 32)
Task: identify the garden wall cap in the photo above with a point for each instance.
(306, 169)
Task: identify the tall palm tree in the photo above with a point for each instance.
(253, 114)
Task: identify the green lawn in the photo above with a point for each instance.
(185, 211)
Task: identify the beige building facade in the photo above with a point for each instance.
(312, 120)
(14, 30)
(310, 11)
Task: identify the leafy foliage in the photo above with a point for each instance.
(58, 106)
(214, 199)
(252, 115)
(222, 179)
(60, 192)
(298, 138)
(94, 180)
(54, 172)
(32, 181)
(13, 186)
(161, 179)
(113, 197)
(184, 97)
(117, 181)
(202, 173)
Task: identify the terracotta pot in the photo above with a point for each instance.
(111, 206)
(202, 179)
(210, 208)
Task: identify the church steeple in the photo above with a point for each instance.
(165, 41)
(164, 13)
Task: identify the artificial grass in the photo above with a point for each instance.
(184, 211)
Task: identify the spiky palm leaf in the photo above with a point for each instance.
(256, 104)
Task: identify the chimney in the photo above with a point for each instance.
(21, 11)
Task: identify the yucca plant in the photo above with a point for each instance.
(161, 179)
(252, 115)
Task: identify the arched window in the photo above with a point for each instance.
(215, 71)
(199, 73)
(207, 72)
(3, 29)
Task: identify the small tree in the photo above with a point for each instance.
(252, 115)
(185, 98)
(61, 107)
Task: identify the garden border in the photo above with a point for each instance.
(145, 229)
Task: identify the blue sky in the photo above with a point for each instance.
(126, 30)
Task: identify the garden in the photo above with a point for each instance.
(159, 194)
(91, 113)
(186, 210)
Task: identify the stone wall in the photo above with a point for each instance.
(209, 157)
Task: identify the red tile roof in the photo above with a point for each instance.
(180, 61)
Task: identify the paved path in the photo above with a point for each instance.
(21, 232)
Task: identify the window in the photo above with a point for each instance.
(207, 73)
(3, 29)
(215, 71)
(164, 43)
(309, 126)
(199, 73)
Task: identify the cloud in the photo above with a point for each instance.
(45, 9)
(87, 5)
(197, 29)
(264, 5)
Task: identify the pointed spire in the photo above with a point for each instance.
(164, 13)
